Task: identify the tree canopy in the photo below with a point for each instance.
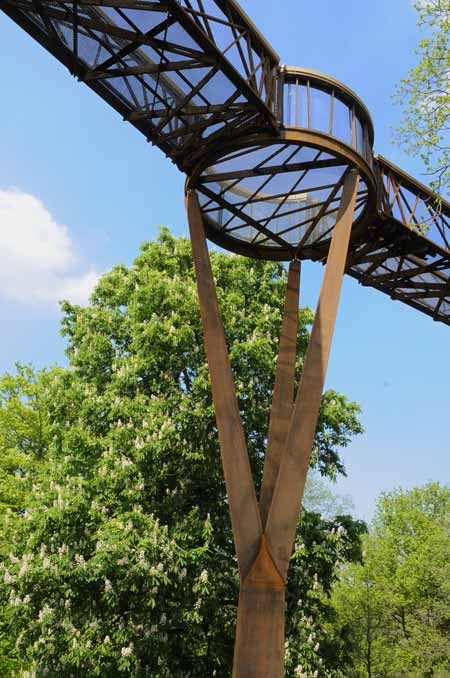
(120, 556)
(395, 608)
(425, 95)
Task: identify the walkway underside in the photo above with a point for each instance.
(180, 75)
(191, 75)
(391, 255)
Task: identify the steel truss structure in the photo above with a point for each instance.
(195, 76)
(280, 165)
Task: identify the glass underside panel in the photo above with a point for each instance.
(282, 196)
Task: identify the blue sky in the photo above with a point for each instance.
(83, 168)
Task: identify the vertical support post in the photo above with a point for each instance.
(283, 392)
(285, 508)
(263, 557)
(259, 645)
(243, 505)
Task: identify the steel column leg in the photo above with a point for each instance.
(243, 505)
(285, 508)
(259, 645)
(283, 392)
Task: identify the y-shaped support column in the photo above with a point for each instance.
(264, 548)
(285, 508)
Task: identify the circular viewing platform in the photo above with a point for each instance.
(277, 196)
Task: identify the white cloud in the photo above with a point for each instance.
(37, 255)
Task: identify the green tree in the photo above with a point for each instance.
(425, 94)
(24, 439)
(24, 433)
(122, 560)
(395, 608)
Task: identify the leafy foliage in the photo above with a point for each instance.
(122, 561)
(395, 607)
(24, 431)
(425, 93)
(24, 436)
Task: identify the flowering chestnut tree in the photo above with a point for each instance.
(425, 95)
(120, 560)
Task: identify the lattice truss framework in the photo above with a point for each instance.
(183, 73)
(193, 75)
(394, 257)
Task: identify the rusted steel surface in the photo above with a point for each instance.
(259, 646)
(264, 554)
(285, 508)
(283, 392)
(243, 505)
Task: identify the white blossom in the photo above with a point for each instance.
(127, 651)
(45, 612)
(8, 578)
(204, 576)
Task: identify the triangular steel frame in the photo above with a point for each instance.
(264, 532)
